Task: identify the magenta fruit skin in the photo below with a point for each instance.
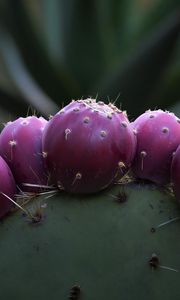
(158, 136)
(21, 147)
(175, 173)
(7, 186)
(87, 146)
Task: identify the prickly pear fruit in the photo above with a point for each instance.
(158, 136)
(87, 146)
(7, 187)
(175, 173)
(21, 147)
(110, 250)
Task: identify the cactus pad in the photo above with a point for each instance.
(109, 246)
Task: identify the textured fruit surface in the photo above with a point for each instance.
(87, 146)
(7, 186)
(100, 243)
(175, 173)
(21, 147)
(158, 136)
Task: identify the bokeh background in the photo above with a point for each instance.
(122, 51)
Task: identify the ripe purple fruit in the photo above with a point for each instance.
(87, 146)
(175, 173)
(21, 147)
(158, 136)
(7, 187)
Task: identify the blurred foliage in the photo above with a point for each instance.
(52, 51)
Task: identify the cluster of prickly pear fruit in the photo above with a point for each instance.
(88, 145)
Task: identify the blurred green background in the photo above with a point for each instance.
(115, 50)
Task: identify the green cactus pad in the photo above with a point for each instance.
(102, 243)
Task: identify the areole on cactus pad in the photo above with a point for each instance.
(87, 146)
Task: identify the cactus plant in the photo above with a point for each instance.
(87, 146)
(118, 243)
(107, 248)
(21, 147)
(158, 136)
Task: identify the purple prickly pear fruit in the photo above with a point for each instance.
(7, 187)
(175, 173)
(87, 146)
(21, 147)
(158, 136)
